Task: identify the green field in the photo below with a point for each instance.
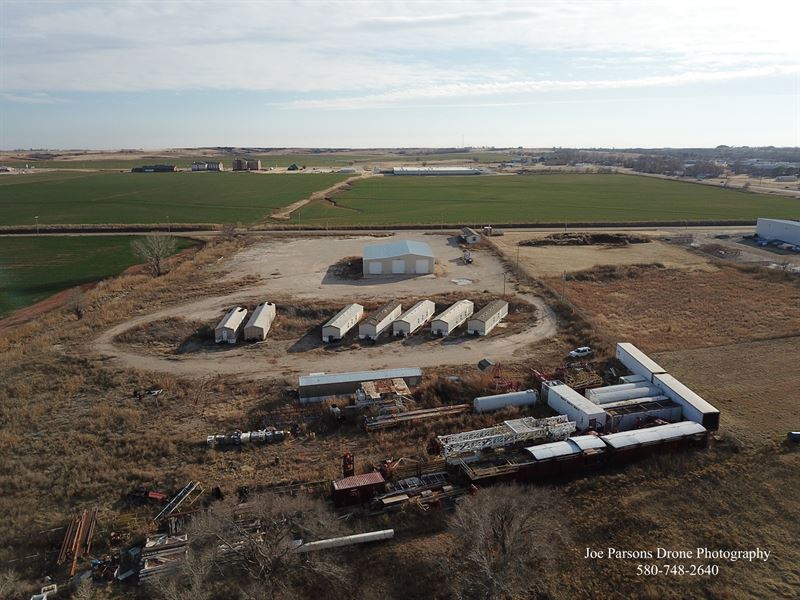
(96, 198)
(538, 198)
(35, 267)
(267, 160)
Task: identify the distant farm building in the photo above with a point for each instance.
(155, 169)
(229, 328)
(403, 257)
(452, 317)
(413, 318)
(379, 321)
(260, 321)
(342, 322)
(208, 166)
(487, 318)
(470, 236)
(786, 178)
(436, 171)
(780, 230)
(244, 164)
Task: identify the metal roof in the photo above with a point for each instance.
(455, 307)
(359, 376)
(356, 481)
(380, 314)
(260, 315)
(574, 445)
(784, 221)
(469, 231)
(637, 437)
(398, 248)
(637, 355)
(233, 318)
(669, 384)
(488, 310)
(336, 320)
(412, 312)
(573, 398)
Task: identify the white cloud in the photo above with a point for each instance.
(34, 98)
(372, 49)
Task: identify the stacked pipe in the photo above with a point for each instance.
(238, 438)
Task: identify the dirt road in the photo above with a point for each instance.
(285, 213)
(242, 361)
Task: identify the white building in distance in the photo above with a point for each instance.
(260, 321)
(436, 171)
(450, 318)
(342, 322)
(402, 257)
(414, 318)
(229, 328)
(487, 318)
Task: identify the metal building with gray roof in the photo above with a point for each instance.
(401, 257)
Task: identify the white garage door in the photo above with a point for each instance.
(375, 268)
(422, 266)
(398, 266)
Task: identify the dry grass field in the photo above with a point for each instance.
(671, 309)
(74, 436)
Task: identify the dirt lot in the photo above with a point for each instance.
(547, 261)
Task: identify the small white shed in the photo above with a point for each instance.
(342, 322)
(470, 236)
(450, 318)
(487, 318)
(260, 321)
(229, 328)
(379, 321)
(413, 318)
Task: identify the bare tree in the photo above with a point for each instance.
(505, 535)
(76, 302)
(154, 250)
(228, 231)
(10, 584)
(247, 551)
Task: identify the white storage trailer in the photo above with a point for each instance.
(229, 328)
(566, 401)
(342, 322)
(413, 318)
(637, 361)
(625, 391)
(498, 401)
(487, 318)
(450, 318)
(259, 323)
(779, 230)
(694, 407)
(379, 321)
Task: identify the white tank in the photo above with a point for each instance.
(631, 394)
(594, 393)
(490, 403)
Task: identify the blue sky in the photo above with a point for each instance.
(383, 74)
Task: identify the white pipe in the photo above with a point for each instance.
(347, 540)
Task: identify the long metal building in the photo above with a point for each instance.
(413, 318)
(342, 322)
(373, 326)
(694, 407)
(487, 318)
(780, 230)
(637, 361)
(318, 386)
(402, 257)
(450, 318)
(566, 401)
(229, 328)
(260, 322)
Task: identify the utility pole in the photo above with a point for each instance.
(517, 258)
(169, 225)
(504, 284)
(37, 223)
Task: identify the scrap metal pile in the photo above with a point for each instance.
(78, 540)
(239, 438)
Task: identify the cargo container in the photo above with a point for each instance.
(414, 318)
(694, 407)
(637, 362)
(357, 489)
(496, 402)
